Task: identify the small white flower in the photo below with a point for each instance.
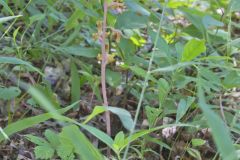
(113, 50)
(237, 14)
(118, 63)
(220, 11)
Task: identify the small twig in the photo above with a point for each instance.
(103, 71)
(221, 109)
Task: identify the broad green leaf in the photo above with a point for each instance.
(195, 17)
(218, 128)
(141, 72)
(75, 83)
(200, 20)
(235, 42)
(176, 4)
(99, 134)
(118, 140)
(9, 93)
(180, 81)
(138, 41)
(233, 6)
(72, 22)
(209, 75)
(113, 78)
(152, 115)
(232, 79)
(138, 71)
(13, 60)
(209, 79)
(163, 89)
(94, 82)
(125, 21)
(127, 47)
(45, 98)
(124, 116)
(138, 61)
(87, 9)
(52, 138)
(29, 122)
(44, 152)
(79, 51)
(194, 153)
(135, 136)
(96, 111)
(193, 31)
(37, 140)
(192, 49)
(66, 149)
(197, 142)
(183, 106)
(209, 21)
(66, 152)
(83, 147)
(5, 19)
(136, 7)
(161, 44)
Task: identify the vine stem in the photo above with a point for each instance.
(103, 71)
(145, 84)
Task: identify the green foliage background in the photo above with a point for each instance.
(194, 61)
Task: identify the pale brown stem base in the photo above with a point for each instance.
(103, 72)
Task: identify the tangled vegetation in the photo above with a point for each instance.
(119, 79)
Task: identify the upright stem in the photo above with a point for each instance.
(103, 69)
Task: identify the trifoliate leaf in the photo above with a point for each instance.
(37, 140)
(9, 93)
(66, 152)
(43, 152)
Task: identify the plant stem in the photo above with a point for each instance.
(103, 70)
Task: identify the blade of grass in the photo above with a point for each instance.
(44, 101)
(13, 60)
(5, 19)
(82, 145)
(5, 5)
(145, 81)
(29, 122)
(75, 83)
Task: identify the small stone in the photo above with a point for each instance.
(169, 131)
(52, 74)
(145, 123)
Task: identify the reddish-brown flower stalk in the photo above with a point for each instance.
(103, 69)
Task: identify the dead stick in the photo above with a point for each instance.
(221, 109)
(103, 70)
